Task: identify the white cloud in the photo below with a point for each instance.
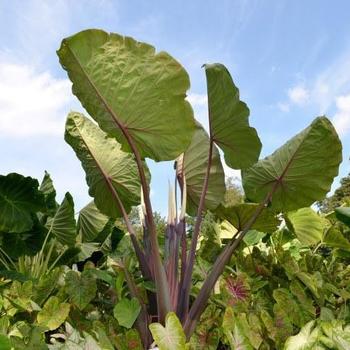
(32, 103)
(341, 119)
(197, 100)
(284, 107)
(298, 95)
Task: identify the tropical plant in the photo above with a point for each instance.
(221, 270)
(138, 99)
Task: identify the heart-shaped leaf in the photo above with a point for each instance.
(298, 173)
(53, 314)
(170, 337)
(81, 288)
(125, 85)
(110, 172)
(228, 119)
(126, 312)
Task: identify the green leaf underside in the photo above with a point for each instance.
(307, 225)
(194, 167)
(110, 172)
(122, 82)
(81, 288)
(228, 116)
(127, 311)
(63, 225)
(91, 222)
(240, 214)
(302, 170)
(19, 199)
(53, 314)
(170, 337)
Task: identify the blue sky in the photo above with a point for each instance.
(290, 59)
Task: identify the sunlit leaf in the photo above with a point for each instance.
(228, 117)
(300, 172)
(125, 83)
(110, 172)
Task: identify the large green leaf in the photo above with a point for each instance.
(24, 243)
(91, 222)
(193, 165)
(53, 314)
(47, 188)
(124, 83)
(307, 225)
(228, 116)
(63, 225)
(126, 311)
(239, 215)
(343, 214)
(110, 172)
(170, 337)
(332, 237)
(81, 288)
(19, 199)
(300, 172)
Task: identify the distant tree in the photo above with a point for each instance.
(341, 195)
(234, 193)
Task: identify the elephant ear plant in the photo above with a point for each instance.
(138, 99)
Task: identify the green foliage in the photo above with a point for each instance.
(20, 198)
(170, 337)
(193, 166)
(62, 225)
(148, 93)
(53, 314)
(126, 311)
(295, 181)
(228, 118)
(81, 288)
(340, 196)
(100, 282)
(111, 173)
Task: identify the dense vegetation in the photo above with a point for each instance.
(230, 268)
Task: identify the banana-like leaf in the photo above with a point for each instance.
(228, 117)
(123, 83)
(63, 225)
(307, 225)
(110, 172)
(19, 199)
(240, 214)
(91, 222)
(193, 165)
(300, 172)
